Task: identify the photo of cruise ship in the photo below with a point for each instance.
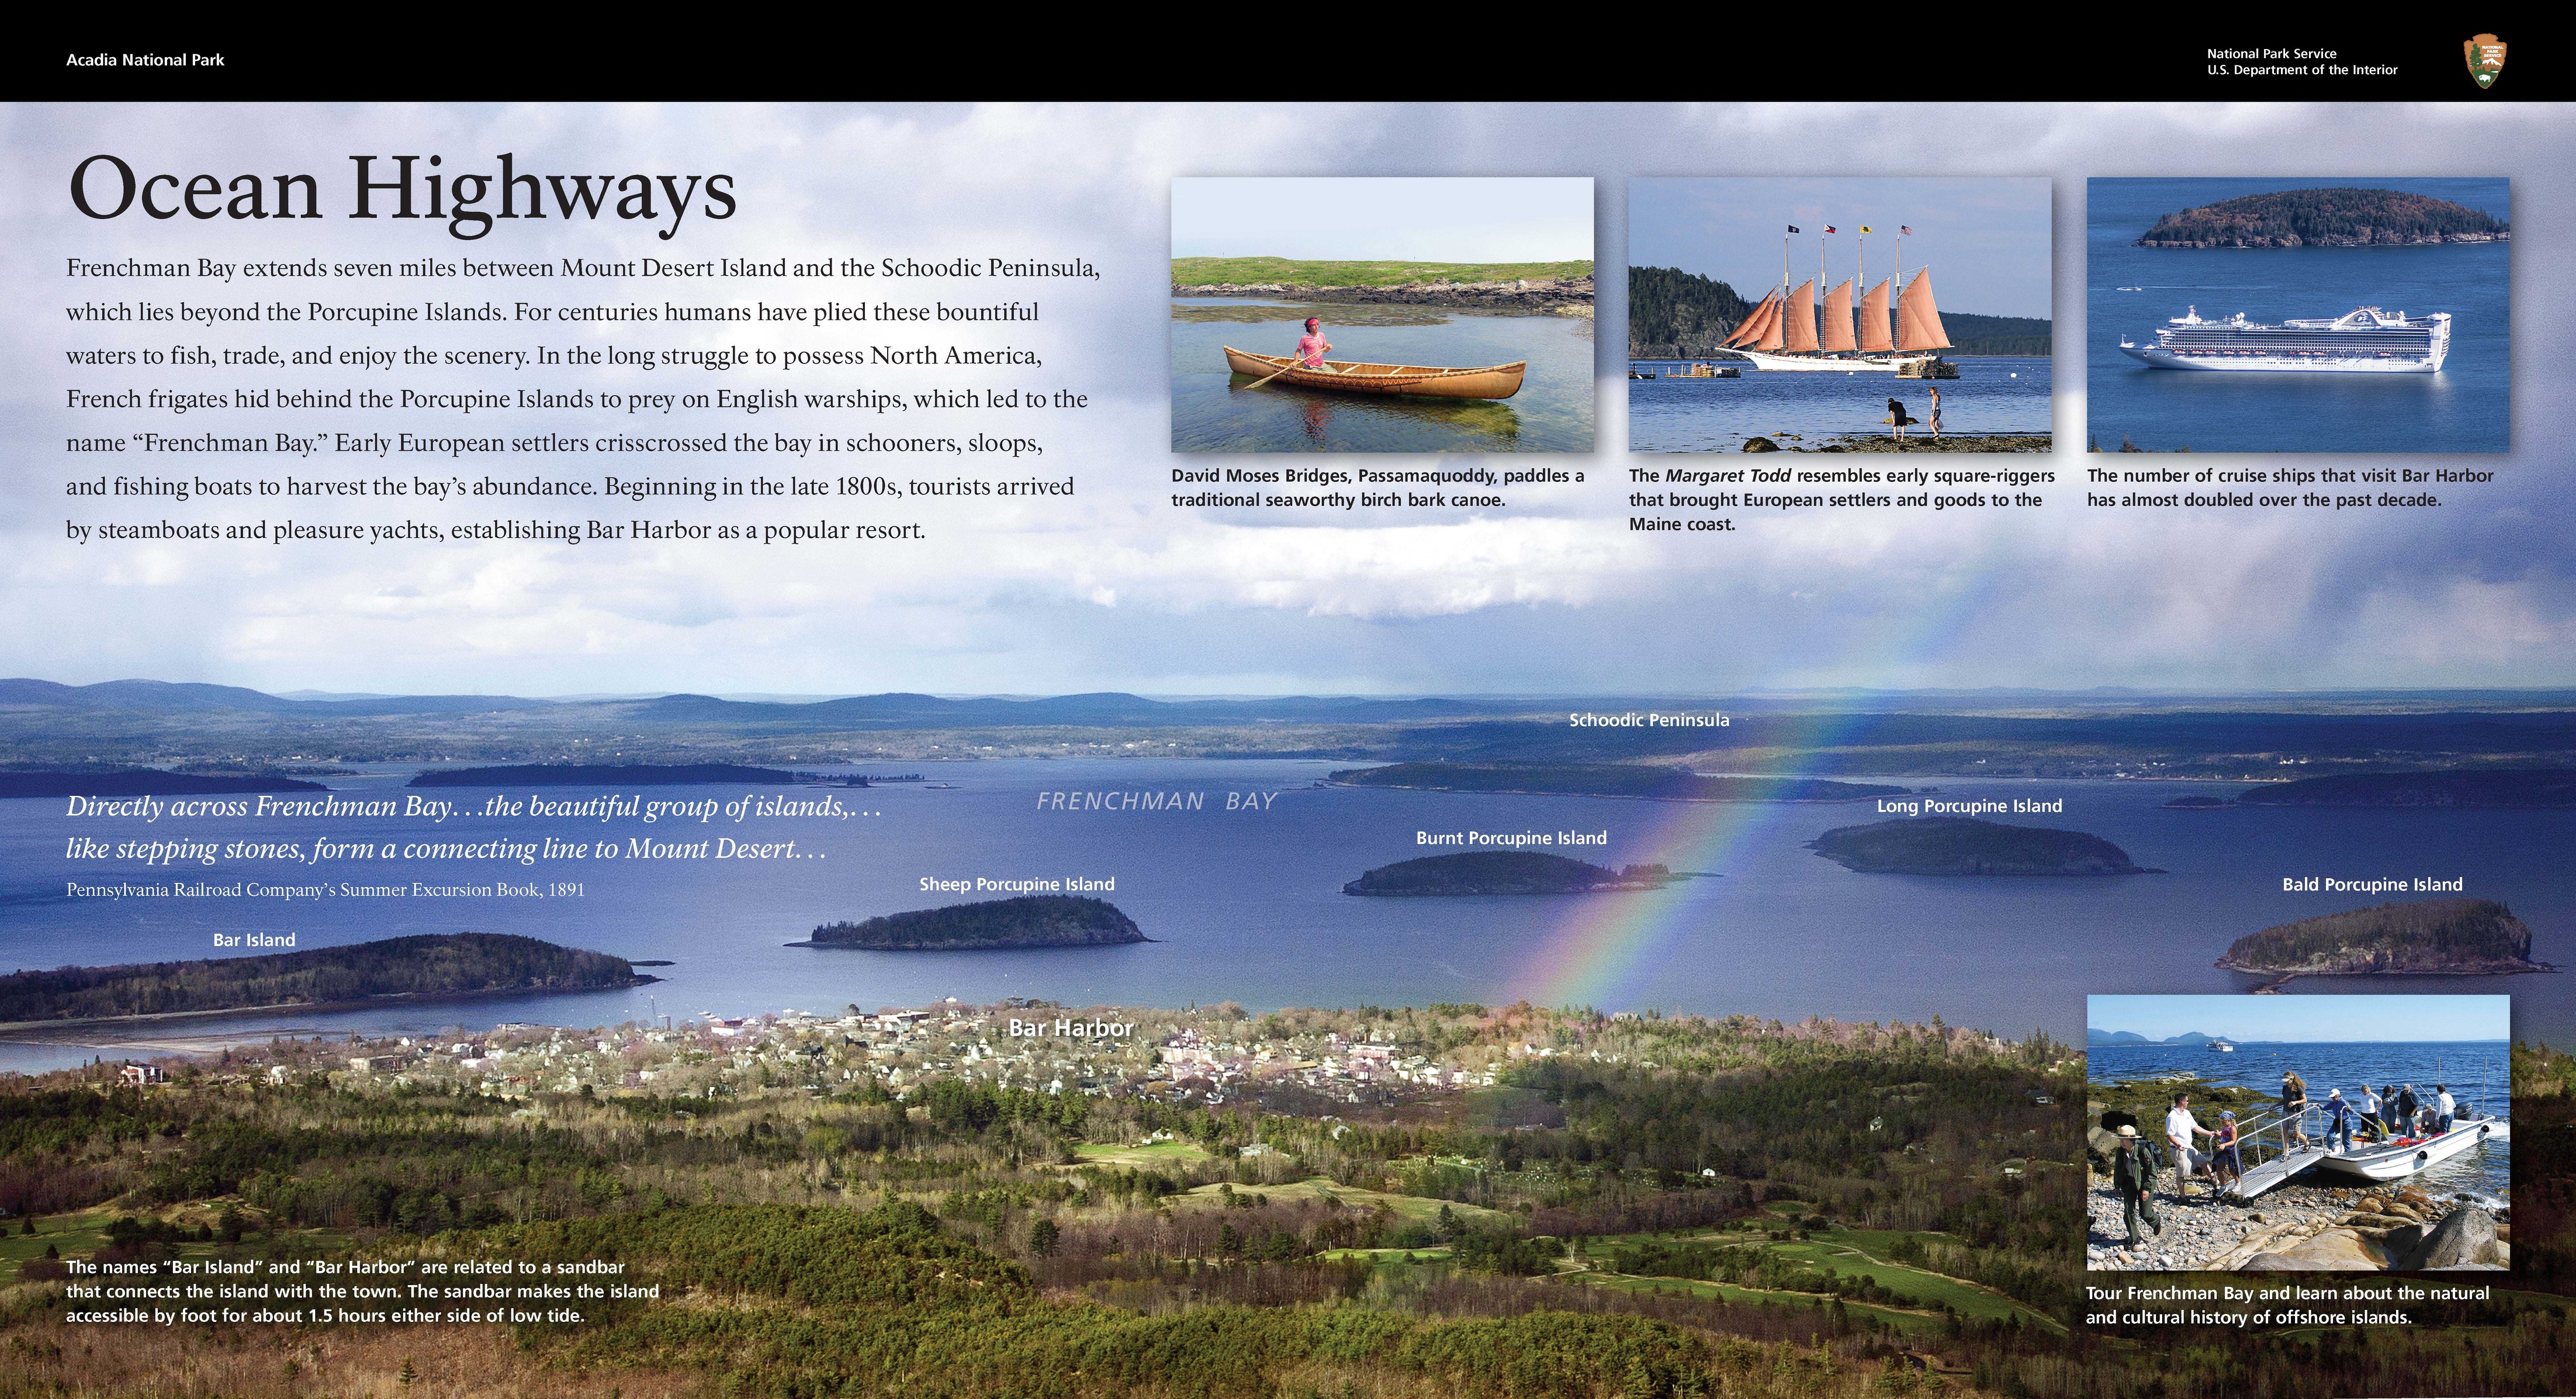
(2331, 314)
(2367, 340)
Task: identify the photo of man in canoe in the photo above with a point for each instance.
(1382, 315)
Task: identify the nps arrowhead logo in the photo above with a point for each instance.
(2486, 58)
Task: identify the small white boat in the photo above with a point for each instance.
(2221, 1047)
(2404, 1156)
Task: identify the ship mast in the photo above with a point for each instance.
(1820, 288)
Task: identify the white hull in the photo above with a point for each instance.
(2158, 358)
(1824, 364)
(2399, 1162)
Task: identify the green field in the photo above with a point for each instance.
(84, 1232)
(1859, 1253)
(1146, 1156)
(1209, 271)
(1405, 1207)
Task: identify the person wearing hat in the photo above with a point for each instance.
(2338, 1120)
(2225, 1162)
(1312, 345)
(2133, 1175)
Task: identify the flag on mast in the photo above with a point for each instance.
(1906, 230)
(1865, 228)
(1829, 228)
(1793, 228)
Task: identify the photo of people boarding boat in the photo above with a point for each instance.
(2324, 1141)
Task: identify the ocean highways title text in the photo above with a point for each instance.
(106, 187)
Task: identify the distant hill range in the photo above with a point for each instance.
(2440, 937)
(1647, 780)
(2459, 787)
(625, 775)
(437, 964)
(143, 782)
(2106, 1037)
(2343, 217)
(1674, 314)
(162, 696)
(1107, 709)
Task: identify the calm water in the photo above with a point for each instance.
(2462, 409)
(2464, 1066)
(1246, 905)
(1213, 411)
(1716, 415)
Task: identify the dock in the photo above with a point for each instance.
(2276, 1172)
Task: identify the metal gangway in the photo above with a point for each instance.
(2275, 1146)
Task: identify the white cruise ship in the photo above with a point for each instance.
(2368, 341)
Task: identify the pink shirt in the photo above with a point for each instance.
(1310, 348)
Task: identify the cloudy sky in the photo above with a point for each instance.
(1115, 589)
(1986, 239)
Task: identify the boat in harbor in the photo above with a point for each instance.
(2395, 1158)
(2221, 1047)
(1785, 333)
(2366, 340)
(1355, 376)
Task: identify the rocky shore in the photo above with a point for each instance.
(1549, 296)
(2368, 238)
(2303, 1228)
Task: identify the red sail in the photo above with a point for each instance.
(1918, 321)
(1769, 338)
(1802, 320)
(1873, 320)
(1838, 319)
(1750, 329)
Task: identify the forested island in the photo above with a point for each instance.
(630, 775)
(1966, 845)
(1031, 920)
(2470, 787)
(1651, 781)
(432, 964)
(142, 782)
(1674, 314)
(2326, 218)
(2437, 937)
(1501, 872)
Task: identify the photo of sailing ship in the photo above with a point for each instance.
(1849, 348)
(2341, 315)
(1381, 315)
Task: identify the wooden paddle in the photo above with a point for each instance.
(1293, 363)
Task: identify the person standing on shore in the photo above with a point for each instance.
(2226, 1163)
(1936, 413)
(2133, 1175)
(2180, 1127)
